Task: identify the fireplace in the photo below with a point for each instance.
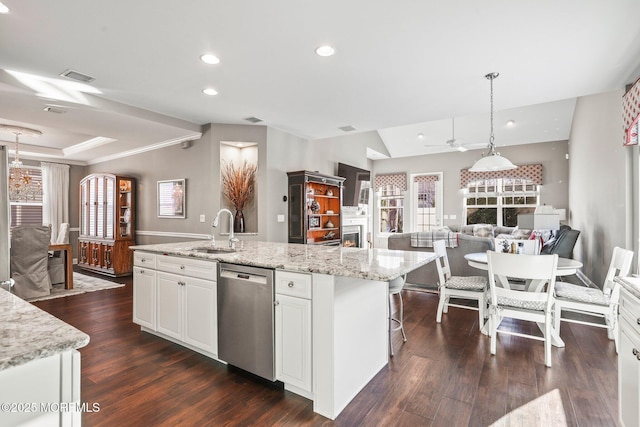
(351, 236)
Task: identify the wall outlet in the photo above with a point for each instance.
(202, 218)
(453, 216)
(446, 216)
(280, 218)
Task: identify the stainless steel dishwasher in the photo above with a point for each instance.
(246, 318)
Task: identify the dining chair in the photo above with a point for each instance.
(461, 287)
(601, 303)
(523, 305)
(395, 288)
(28, 255)
(56, 262)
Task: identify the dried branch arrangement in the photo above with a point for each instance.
(238, 183)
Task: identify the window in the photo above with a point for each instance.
(391, 209)
(500, 200)
(27, 209)
(390, 190)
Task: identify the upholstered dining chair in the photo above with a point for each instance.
(523, 305)
(461, 287)
(395, 288)
(56, 263)
(29, 256)
(602, 303)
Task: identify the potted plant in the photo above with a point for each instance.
(238, 188)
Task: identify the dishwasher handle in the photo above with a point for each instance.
(242, 276)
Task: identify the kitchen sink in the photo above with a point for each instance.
(214, 250)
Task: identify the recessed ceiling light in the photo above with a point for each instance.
(511, 123)
(3, 8)
(210, 91)
(325, 50)
(421, 136)
(209, 58)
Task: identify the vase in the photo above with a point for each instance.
(238, 222)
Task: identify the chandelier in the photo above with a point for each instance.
(22, 186)
(492, 161)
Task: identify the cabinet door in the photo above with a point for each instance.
(293, 341)
(169, 304)
(628, 375)
(200, 311)
(144, 297)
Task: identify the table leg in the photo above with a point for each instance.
(68, 268)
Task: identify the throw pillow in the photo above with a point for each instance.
(483, 230)
(467, 229)
(520, 234)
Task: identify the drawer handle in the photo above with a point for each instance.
(636, 353)
(141, 271)
(182, 267)
(291, 286)
(276, 302)
(638, 320)
(142, 260)
(181, 283)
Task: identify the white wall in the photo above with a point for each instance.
(598, 183)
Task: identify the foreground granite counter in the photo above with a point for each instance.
(39, 366)
(29, 333)
(369, 264)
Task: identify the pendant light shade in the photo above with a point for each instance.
(492, 161)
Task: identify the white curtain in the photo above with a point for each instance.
(55, 196)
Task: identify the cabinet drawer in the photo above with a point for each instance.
(144, 259)
(293, 284)
(187, 267)
(630, 309)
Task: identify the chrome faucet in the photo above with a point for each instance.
(232, 238)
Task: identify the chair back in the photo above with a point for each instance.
(502, 266)
(620, 266)
(63, 233)
(442, 262)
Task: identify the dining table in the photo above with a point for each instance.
(565, 267)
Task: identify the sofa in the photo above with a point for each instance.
(470, 238)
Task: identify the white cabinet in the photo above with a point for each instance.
(629, 358)
(176, 297)
(144, 297)
(293, 330)
(144, 289)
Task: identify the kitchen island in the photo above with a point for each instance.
(331, 307)
(39, 366)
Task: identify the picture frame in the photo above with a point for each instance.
(172, 195)
(314, 222)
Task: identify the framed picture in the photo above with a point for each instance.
(171, 198)
(314, 222)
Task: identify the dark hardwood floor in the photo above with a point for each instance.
(442, 376)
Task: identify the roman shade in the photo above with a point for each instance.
(532, 173)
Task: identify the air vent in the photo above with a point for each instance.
(253, 119)
(75, 75)
(347, 128)
(55, 110)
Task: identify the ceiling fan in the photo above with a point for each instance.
(453, 143)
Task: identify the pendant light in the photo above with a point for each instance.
(492, 160)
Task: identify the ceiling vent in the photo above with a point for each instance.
(54, 109)
(347, 128)
(75, 75)
(253, 119)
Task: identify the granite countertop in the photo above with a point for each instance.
(370, 264)
(631, 284)
(28, 333)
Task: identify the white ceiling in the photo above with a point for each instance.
(402, 68)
